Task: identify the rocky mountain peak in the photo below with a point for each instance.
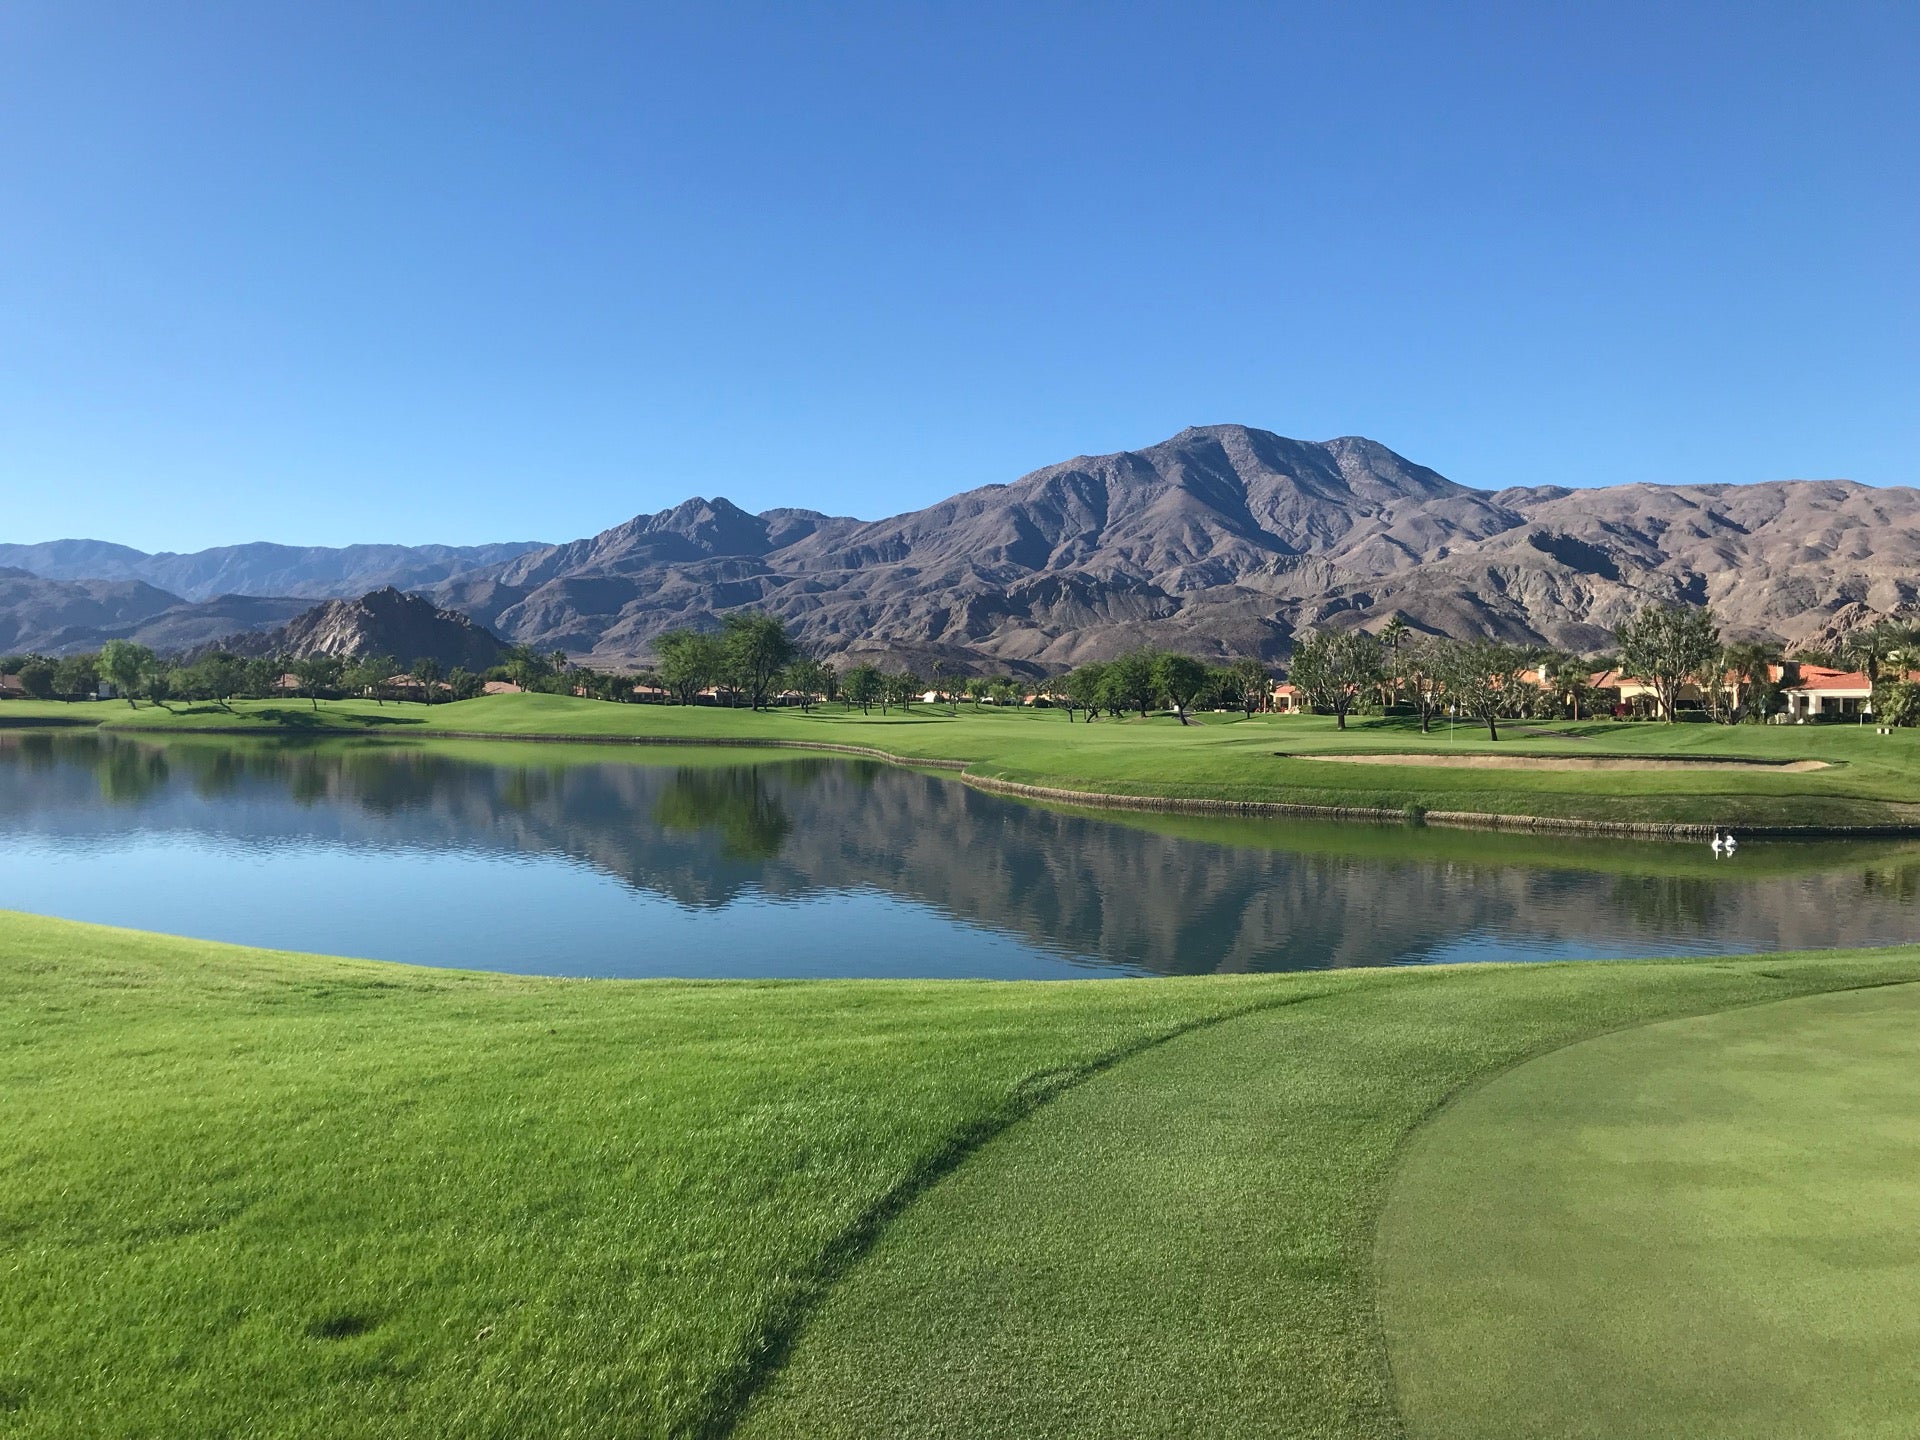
(388, 621)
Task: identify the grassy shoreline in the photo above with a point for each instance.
(246, 1190)
(1226, 764)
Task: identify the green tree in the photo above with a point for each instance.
(158, 681)
(1393, 635)
(427, 671)
(757, 648)
(263, 676)
(1083, 687)
(1129, 682)
(125, 665)
(810, 679)
(1424, 662)
(690, 661)
(222, 675)
(37, 677)
(316, 673)
(1752, 691)
(1248, 685)
(76, 677)
(1336, 668)
(1568, 681)
(463, 684)
(1180, 678)
(1896, 701)
(370, 675)
(901, 687)
(1483, 681)
(1665, 647)
(1869, 648)
(861, 686)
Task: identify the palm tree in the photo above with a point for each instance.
(1750, 663)
(1393, 634)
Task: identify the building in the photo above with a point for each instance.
(1816, 692)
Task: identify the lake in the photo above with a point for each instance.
(559, 860)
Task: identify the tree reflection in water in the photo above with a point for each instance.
(707, 831)
(734, 802)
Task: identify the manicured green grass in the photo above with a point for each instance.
(266, 1194)
(1702, 1228)
(1184, 1246)
(15, 713)
(1875, 779)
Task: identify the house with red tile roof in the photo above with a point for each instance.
(1818, 692)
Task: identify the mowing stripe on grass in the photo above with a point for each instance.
(1709, 1227)
(1184, 1245)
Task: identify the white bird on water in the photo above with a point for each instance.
(1718, 843)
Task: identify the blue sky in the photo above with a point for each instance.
(464, 272)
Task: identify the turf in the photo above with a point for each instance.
(247, 1193)
(1875, 779)
(1702, 1228)
(267, 1194)
(1184, 1246)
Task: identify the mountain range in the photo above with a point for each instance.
(1223, 540)
(293, 571)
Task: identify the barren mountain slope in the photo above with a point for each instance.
(1223, 540)
(50, 615)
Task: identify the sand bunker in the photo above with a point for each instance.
(1569, 762)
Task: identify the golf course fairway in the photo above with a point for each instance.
(1184, 1245)
(246, 1192)
(1709, 1227)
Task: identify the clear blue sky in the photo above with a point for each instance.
(388, 271)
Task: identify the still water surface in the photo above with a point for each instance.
(562, 861)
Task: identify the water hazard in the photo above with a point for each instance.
(570, 861)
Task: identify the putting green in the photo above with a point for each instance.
(1705, 1227)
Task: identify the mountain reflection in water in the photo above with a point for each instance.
(555, 860)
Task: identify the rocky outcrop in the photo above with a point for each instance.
(383, 622)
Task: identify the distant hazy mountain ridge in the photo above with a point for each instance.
(1223, 540)
(312, 572)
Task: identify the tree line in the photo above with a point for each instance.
(754, 660)
(1668, 649)
(137, 673)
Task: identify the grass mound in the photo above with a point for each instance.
(1701, 1228)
